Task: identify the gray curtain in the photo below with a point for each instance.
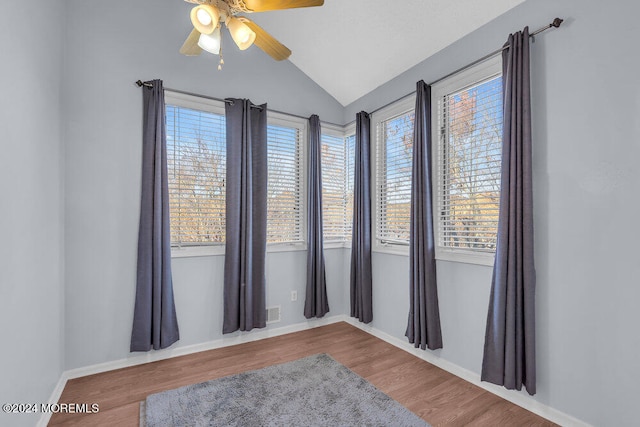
(246, 210)
(423, 326)
(509, 347)
(316, 303)
(361, 297)
(154, 320)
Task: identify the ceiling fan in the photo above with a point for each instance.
(209, 16)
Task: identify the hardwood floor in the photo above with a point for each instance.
(435, 395)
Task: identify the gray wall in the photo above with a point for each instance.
(139, 40)
(31, 260)
(586, 109)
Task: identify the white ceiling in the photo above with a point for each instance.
(350, 47)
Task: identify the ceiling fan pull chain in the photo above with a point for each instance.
(221, 63)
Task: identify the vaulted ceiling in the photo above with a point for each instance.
(350, 47)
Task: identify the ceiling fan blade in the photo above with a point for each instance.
(190, 46)
(266, 5)
(266, 42)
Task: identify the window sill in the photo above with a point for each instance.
(206, 251)
(286, 247)
(196, 251)
(466, 257)
(337, 245)
(391, 248)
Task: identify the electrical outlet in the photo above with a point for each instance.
(294, 295)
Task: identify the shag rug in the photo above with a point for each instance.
(313, 391)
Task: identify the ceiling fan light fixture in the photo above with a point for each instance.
(210, 42)
(205, 18)
(241, 34)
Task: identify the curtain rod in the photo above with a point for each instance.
(140, 83)
(555, 24)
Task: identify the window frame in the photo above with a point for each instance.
(214, 106)
(396, 109)
(348, 130)
(208, 105)
(280, 119)
(486, 70)
(342, 132)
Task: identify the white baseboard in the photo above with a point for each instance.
(512, 396)
(139, 359)
(54, 398)
(517, 398)
(225, 341)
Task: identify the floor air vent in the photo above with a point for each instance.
(273, 314)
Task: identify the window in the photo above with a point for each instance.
(350, 142)
(196, 159)
(337, 156)
(285, 186)
(467, 135)
(196, 165)
(393, 151)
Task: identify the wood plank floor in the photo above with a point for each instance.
(435, 395)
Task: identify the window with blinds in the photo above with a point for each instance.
(196, 157)
(285, 185)
(393, 175)
(469, 122)
(350, 143)
(337, 153)
(196, 160)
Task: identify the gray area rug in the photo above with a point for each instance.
(314, 391)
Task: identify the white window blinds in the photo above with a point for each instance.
(285, 214)
(350, 142)
(196, 159)
(393, 169)
(469, 156)
(337, 187)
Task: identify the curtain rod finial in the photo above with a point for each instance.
(556, 22)
(140, 83)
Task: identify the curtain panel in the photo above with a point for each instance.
(316, 303)
(509, 348)
(423, 326)
(246, 212)
(360, 281)
(155, 324)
